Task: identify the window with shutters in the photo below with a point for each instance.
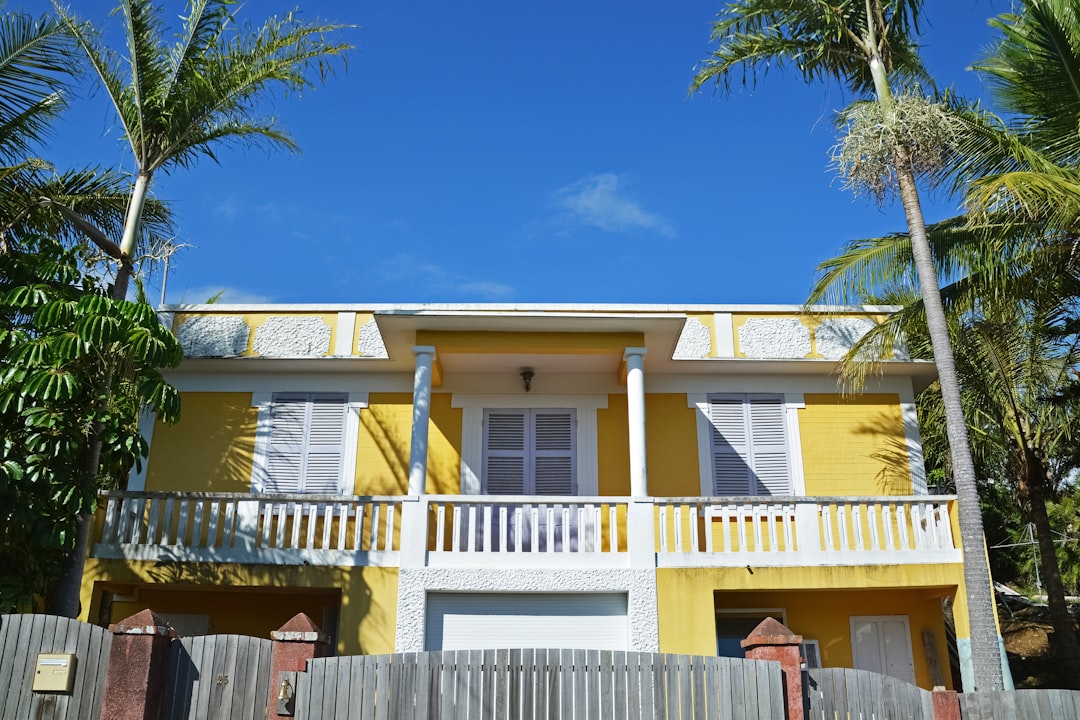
(529, 452)
(749, 445)
(306, 443)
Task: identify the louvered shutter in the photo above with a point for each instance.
(307, 437)
(505, 451)
(730, 446)
(529, 452)
(553, 452)
(326, 438)
(285, 460)
(768, 444)
(749, 445)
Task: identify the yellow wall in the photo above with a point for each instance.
(209, 450)
(670, 446)
(382, 456)
(251, 599)
(854, 445)
(687, 599)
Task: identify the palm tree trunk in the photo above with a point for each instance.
(129, 242)
(1065, 644)
(985, 649)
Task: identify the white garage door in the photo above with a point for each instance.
(472, 621)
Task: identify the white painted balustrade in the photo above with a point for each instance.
(228, 527)
(536, 531)
(500, 530)
(794, 531)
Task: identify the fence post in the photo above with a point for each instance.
(946, 704)
(135, 677)
(294, 643)
(770, 640)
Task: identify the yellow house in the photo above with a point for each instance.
(425, 477)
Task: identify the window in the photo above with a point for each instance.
(306, 444)
(733, 626)
(529, 452)
(749, 445)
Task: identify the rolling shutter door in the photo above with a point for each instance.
(749, 445)
(470, 621)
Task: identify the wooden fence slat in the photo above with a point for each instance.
(487, 697)
(592, 684)
(605, 678)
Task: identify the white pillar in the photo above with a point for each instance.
(635, 410)
(425, 356)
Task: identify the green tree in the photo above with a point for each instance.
(1014, 362)
(870, 46)
(179, 100)
(74, 365)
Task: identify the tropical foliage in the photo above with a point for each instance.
(871, 47)
(177, 101)
(74, 365)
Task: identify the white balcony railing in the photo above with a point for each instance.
(732, 532)
(228, 527)
(537, 531)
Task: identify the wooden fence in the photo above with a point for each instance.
(217, 676)
(22, 637)
(538, 685)
(1063, 704)
(861, 695)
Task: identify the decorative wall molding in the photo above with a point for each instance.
(370, 342)
(694, 342)
(214, 336)
(835, 336)
(282, 336)
(774, 338)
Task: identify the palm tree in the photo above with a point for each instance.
(177, 101)
(869, 45)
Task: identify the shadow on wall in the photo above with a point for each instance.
(891, 453)
(392, 436)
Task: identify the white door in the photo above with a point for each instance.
(882, 644)
(472, 621)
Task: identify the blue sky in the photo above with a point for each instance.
(521, 151)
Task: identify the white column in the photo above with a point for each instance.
(425, 356)
(635, 409)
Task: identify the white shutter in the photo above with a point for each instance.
(749, 445)
(471, 621)
(307, 437)
(505, 452)
(730, 446)
(768, 444)
(285, 459)
(553, 452)
(326, 438)
(882, 644)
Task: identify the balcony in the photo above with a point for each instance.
(516, 531)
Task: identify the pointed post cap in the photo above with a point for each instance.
(144, 622)
(770, 631)
(300, 628)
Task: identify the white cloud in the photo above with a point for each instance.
(595, 201)
(487, 290)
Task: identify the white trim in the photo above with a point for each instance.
(793, 402)
(725, 335)
(346, 329)
(355, 402)
(913, 440)
(272, 382)
(706, 383)
(137, 478)
(472, 432)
